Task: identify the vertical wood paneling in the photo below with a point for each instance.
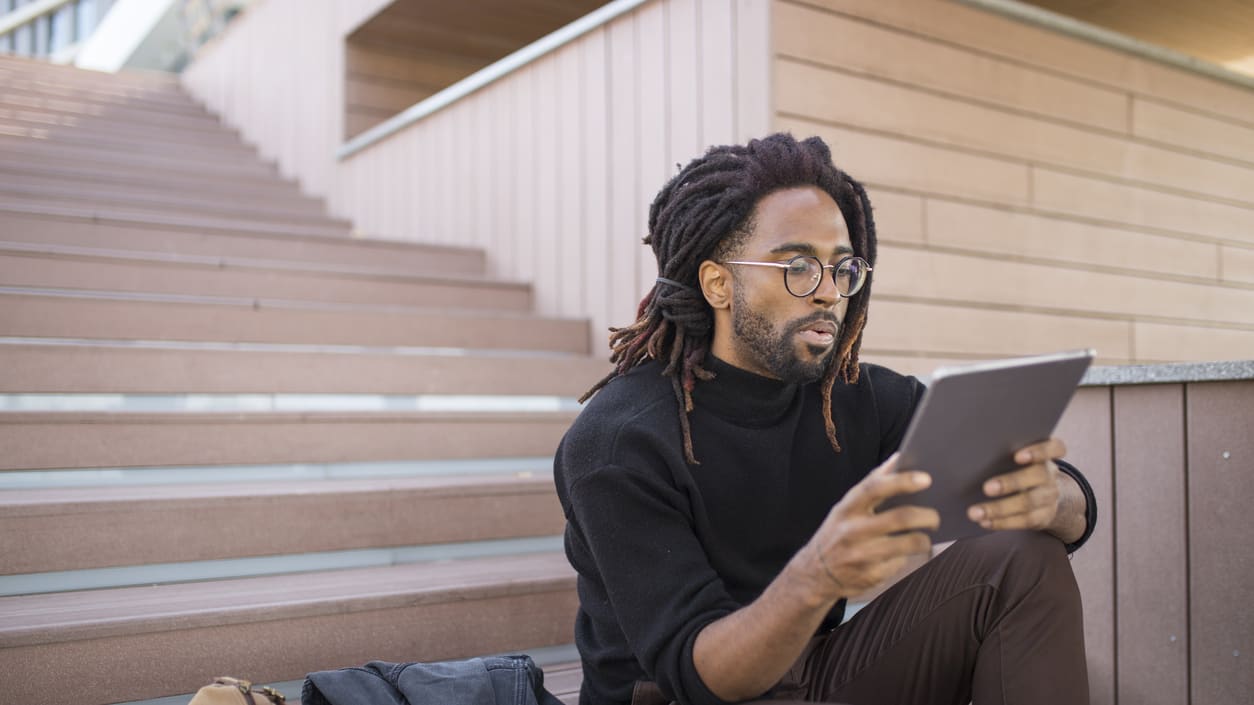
(594, 174)
(624, 158)
(1151, 557)
(547, 237)
(570, 274)
(1221, 577)
(683, 47)
(528, 176)
(753, 68)
(653, 116)
(1086, 429)
(717, 42)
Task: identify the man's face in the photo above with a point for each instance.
(775, 333)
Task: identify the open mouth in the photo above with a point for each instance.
(819, 333)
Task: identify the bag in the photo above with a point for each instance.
(225, 690)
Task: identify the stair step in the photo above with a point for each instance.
(35, 191)
(121, 112)
(32, 144)
(183, 235)
(64, 313)
(173, 131)
(55, 440)
(284, 472)
(23, 265)
(158, 150)
(24, 66)
(277, 628)
(82, 528)
(51, 366)
(263, 189)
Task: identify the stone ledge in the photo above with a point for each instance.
(1167, 373)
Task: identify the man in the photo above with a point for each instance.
(721, 487)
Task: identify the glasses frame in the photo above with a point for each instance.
(819, 281)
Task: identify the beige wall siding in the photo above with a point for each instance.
(1053, 193)
(552, 169)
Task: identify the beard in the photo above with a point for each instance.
(776, 351)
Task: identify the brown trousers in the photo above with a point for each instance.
(993, 620)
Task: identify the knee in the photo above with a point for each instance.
(1026, 562)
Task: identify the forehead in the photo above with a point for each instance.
(802, 215)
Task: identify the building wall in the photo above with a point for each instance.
(1034, 191)
(551, 169)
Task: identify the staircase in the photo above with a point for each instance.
(238, 439)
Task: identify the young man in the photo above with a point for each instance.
(721, 487)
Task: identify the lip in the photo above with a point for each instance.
(825, 326)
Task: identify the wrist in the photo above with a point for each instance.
(810, 579)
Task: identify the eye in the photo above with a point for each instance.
(801, 266)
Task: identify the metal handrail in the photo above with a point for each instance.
(28, 13)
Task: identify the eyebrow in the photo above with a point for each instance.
(806, 248)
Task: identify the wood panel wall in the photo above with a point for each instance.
(553, 168)
(1166, 577)
(1033, 191)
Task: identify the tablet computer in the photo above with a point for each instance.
(971, 421)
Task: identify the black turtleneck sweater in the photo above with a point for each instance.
(662, 548)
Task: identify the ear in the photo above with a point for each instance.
(716, 284)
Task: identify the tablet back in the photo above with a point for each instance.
(972, 420)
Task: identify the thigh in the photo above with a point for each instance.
(918, 642)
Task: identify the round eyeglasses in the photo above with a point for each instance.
(803, 273)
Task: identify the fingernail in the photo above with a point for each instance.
(986, 524)
(922, 479)
(993, 487)
(977, 513)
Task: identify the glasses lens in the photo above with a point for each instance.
(850, 275)
(803, 275)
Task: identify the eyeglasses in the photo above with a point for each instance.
(803, 273)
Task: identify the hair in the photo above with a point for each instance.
(706, 212)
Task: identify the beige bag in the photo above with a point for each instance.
(233, 691)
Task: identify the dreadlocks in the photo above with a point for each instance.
(705, 212)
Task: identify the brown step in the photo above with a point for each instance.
(123, 128)
(97, 527)
(172, 101)
(121, 368)
(40, 313)
(263, 189)
(56, 440)
(135, 643)
(24, 66)
(80, 106)
(219, 237)
(53, 266)
(23, 148)
(213, 150)
(563, 680)
(225, 222)
(86, 196)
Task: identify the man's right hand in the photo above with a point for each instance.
(855, 549)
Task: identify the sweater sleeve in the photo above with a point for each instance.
(660, 586)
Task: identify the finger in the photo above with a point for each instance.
(869, 557)
(1036, 519)
(1018, 481)
(1019, 503)
(879, 486)
(1051, 449)
(895, 521)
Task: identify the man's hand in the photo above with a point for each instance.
(856, 549)
(1037, 496)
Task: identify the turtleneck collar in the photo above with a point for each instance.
(741, 396)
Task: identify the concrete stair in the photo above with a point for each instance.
(241, 437)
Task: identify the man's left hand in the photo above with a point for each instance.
(1026, 498)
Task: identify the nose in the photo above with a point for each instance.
(826, 294)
